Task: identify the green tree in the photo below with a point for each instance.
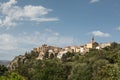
(3, 69)
(12, 76)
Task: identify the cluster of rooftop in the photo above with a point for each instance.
(57, 51)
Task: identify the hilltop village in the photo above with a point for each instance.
(57, 51)
(46, 51)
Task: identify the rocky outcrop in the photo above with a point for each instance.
(46, 51)
(43, 52)
(15, 62)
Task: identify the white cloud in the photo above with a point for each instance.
(35, 11)
(0, 22)
(11, 42)
(13, 13)
(94, 1)
(7, 42)
(11, 45)
(52, 32)
(48, 37)
(118, 28)
(100, 34)
(44, 19)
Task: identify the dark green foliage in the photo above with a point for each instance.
(98, 65)
(51, 56)
(3, 69)
(43, 70)
(31, 55)
(12, 76)
(46, 55)
(67, 57)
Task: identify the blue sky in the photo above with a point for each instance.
(25, 24)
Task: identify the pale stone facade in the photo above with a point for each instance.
(89, 45)
(60, 54)
(102, 45)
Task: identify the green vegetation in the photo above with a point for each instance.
(2, 69)
(12, 76)
(6, 75)
(101, 64)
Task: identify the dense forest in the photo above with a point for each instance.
(103, 64)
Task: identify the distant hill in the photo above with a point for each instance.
(4, 62)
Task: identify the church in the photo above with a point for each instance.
(92, 44)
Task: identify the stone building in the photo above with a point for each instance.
(92, 44)
(44, 49)
(103, 45)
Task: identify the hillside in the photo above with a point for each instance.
(103, 64)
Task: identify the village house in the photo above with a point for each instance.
(60, 54)
(92, 44)
(102, 45)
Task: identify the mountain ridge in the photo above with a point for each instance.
(4, 62)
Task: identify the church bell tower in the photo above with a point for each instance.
(92, 39)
